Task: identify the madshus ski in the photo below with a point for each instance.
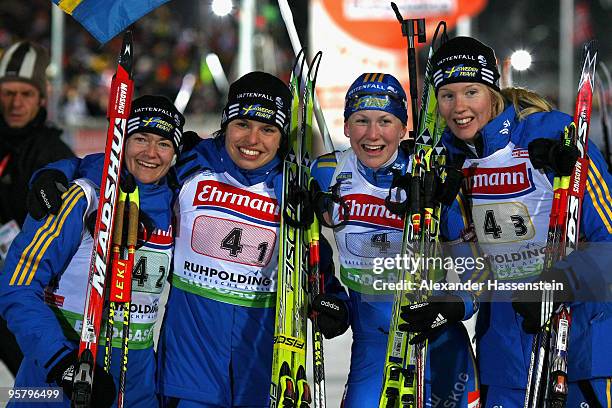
(404, 373)
(298, 258)
(118, 113)
(547, 377)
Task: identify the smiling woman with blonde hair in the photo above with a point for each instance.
(515, 131)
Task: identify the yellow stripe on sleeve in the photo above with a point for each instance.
(28, 254)
(69, 5)
(27, 250)
(600, 205)
(604, 195)
(41, 230)
(608, 392)
(462, 209)
(56, 232)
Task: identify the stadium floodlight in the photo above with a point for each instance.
(222, 8)
(520, 60)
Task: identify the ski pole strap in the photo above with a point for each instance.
(326, 202)
(298, 197)
(400, 188)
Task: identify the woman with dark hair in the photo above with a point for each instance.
(217, 339)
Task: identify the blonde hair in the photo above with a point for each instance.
(524, 100)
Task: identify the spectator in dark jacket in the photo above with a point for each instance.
(27, 143)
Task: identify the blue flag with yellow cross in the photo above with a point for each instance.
(104, 19)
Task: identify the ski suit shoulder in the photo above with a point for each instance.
(323, 168)
(37, 258)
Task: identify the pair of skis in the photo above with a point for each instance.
(298, 264)
(404, 373)
(547, 377)
(105, 236)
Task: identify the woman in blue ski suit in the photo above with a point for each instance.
(510, 141)
(375, 118)
(44, 280)
(216, 342)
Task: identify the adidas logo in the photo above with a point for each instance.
(415, 306)
(330, 305)
(440, 320)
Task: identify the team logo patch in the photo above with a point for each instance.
(157, 122)
(371, 210)
(371, 102)
(256, 111)
(221, 195)
(461, 71)
(503, 181)
(345, 175)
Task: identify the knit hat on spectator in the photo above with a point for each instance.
(156, 114)
(27, 62)
(465, 59)
(259, 96)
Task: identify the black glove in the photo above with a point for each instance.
(528, 303)
(190, 139)
(103, 392)
(447, 192)
(553, 155)
(332, 315)
(429, 317)
(45, 195)
(431, 190)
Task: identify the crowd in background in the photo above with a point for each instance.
(170, 42)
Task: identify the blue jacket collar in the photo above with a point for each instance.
(247, 177)
(494, 136)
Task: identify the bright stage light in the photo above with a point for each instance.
(520, 60)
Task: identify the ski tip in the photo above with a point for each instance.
(126, 57)
(398, 15)
(591, 46)
(443, 35)
(589, 52)
(589, 63)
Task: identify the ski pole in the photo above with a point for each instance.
(121, 283)
(412, 28)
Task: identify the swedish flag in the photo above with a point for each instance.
(104, 19)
